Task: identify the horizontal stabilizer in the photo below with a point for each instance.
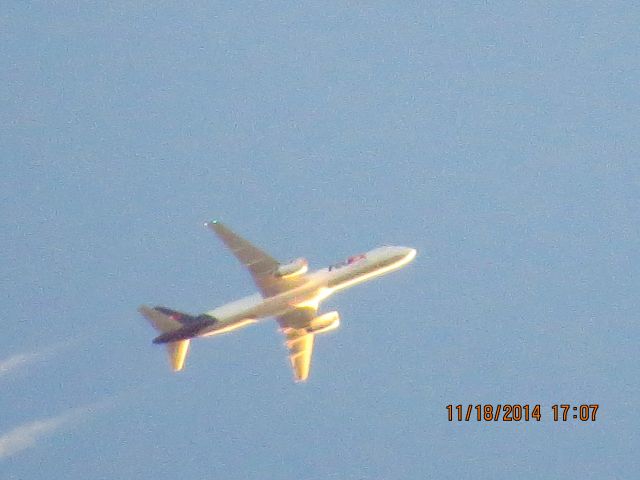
(172, 331)
(187, 331)
(177, 353)
(160, 321)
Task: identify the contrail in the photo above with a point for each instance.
(16, 361)
(26, 436)
(22, 360)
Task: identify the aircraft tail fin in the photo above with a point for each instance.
(165, 321)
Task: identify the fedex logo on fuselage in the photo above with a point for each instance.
(349, 261)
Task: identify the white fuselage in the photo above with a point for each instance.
(318, 286)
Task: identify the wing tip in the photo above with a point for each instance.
(213, 224)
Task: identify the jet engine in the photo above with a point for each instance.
(292, 269)
(324, 323)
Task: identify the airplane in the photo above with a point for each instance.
(286, 291)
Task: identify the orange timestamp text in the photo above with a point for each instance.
(520, 412)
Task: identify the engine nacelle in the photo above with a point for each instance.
(324, 323)
(292, 269)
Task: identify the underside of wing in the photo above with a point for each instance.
(257, 261)
(300, 351)
(260, 264)
(298, 340)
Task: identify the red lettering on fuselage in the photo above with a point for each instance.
(349, 261)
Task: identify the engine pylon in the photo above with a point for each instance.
(324, 323)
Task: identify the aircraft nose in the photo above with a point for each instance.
(406, 253)
(410, 253)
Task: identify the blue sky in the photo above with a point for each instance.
(498, 138)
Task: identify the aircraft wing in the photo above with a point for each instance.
(260, 264)
(298, 341)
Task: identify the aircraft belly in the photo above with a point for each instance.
(256, 307)
(227, 327)
(232, 309)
